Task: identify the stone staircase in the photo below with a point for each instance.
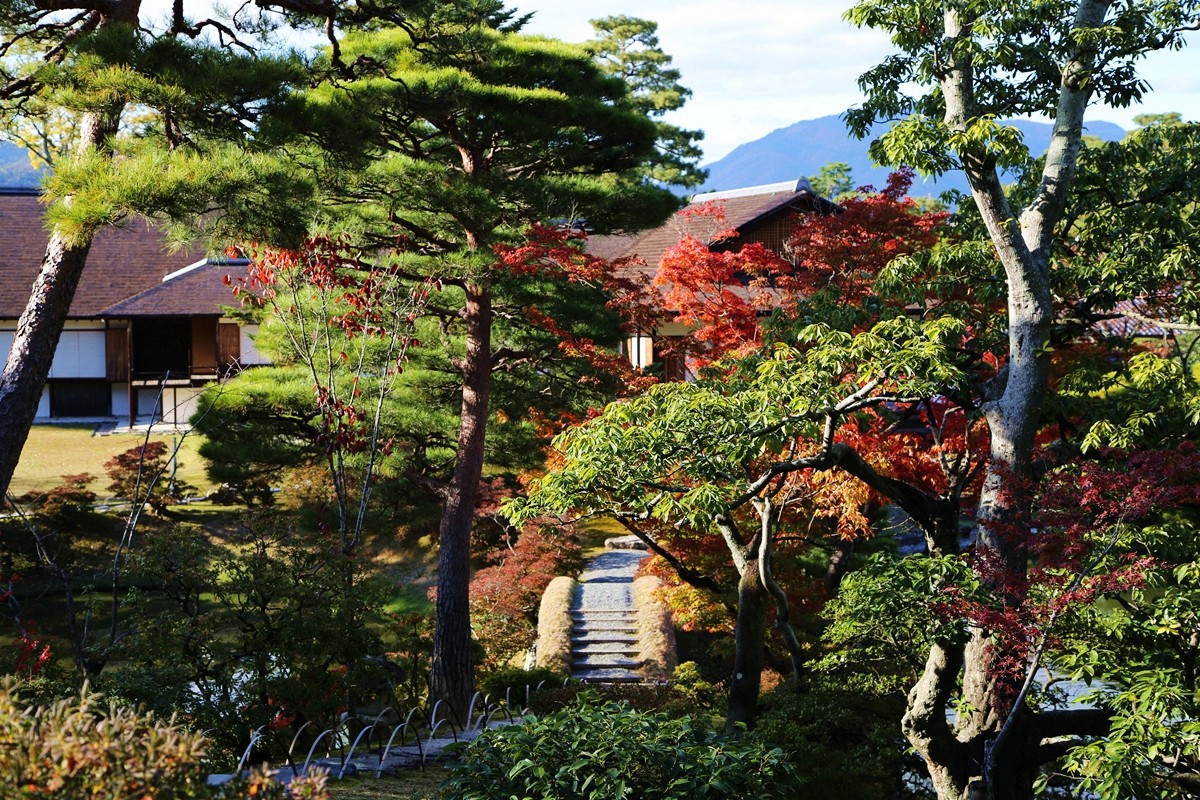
(604, 645)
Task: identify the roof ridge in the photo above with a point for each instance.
(792, 187)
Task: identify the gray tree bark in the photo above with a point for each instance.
(956, 757)
(750, 632)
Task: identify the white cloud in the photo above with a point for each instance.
(765, 64)
(752, 68)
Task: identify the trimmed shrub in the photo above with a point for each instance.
(554, 625)
(499, 682)
(638, 696)
(656, 629)
(689, 683)
(83, 748)
(608, 751)
(844, 744)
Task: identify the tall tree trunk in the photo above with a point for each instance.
(452, 676)
(927, 729)
(33, 347)
(1023, 245)
(750, 633)
(41, 324)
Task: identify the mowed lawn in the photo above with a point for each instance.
(409, 785)
(56, 450)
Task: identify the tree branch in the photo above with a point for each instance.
(1073, 722)
(689, 576)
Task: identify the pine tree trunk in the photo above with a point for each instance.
(41, 324)
(452, 676)
(749, 641)
(33, 347)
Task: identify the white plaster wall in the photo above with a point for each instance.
(120, 400)
(80, 354)
(43, 409)
(250, 355)
(147, 402)
(179, 403)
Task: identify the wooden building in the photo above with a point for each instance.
(146, 330)
(762, 214)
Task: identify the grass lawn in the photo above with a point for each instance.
(412, 785)
(56, 450)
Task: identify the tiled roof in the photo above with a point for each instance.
(1136, 322)
(123, 261)
(742, 211)
(196, 291)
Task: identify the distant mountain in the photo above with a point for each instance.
(800, 150)
(15, 169)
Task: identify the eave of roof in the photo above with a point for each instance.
(743, 209)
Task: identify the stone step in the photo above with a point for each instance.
(604, 661)
(606, 609)
(604, 613)
(607, 676)
(596, 637)
(604, 625)
(580, 648)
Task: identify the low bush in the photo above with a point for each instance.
(85, 748)
(599, 750)
(498, 683)
(845, 745)
(638, 696)
(689, 684)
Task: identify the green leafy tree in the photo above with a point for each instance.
(725, 459)
(1026, 295)
(441, 143)
(260, 635)
(959, 69)
(833, 180)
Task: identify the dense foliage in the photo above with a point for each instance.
(1028, 561)
(86, 747)
(606, 750)
(507, 590)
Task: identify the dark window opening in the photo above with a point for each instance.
(162, 346)
(80, 399)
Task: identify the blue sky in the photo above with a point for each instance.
(757, 65)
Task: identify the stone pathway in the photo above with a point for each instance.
(604, 636)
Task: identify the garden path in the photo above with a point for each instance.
(604, 639)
